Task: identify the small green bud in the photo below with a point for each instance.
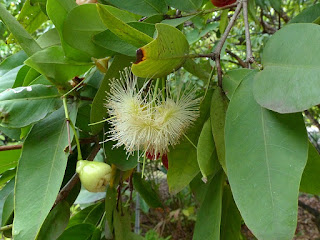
(94, 176)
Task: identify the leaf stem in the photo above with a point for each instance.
(143, 164)
(72, 127)
(155, 90)
(102, 121)
(190, 141)
(5, 228)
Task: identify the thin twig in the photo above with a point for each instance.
(5, 228)
(239, 60)
(69, 137)
(217, 51)
(247, 32)
(10, 147)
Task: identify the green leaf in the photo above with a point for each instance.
(183, 165)
(49, 38)
(28, 44)
(122, 227)
(52, 63)
(209, 215)
(7, 175)
(55, 223)
(30, 77)
(146, 191)
(12, 61)
(40, 173)
(58, 11)
(230, 217)
(25, 105)
(291, 65)
(30, 17)
(78, 232)
(310, 182)
(142, 7)
(98, 111)
(223, 21)
(118, 157)
(7, 80)
(185, 5)
(163, 55)
(196, 69)
(265, 153)
(21, 75)
(308, 15)
(121, 29)
(177, 21)
(276, 4)
(7, 212)
(206, 152)
(4, 193)
(232, 79)
(111, 203)
(83, 22)
(110, 41)
(90, 215)
(219, 106)
(9, 159)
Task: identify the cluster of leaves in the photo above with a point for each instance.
(249, 144)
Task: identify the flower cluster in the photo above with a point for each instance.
(143, 120)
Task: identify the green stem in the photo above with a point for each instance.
(190, 141)
(143, 164)
(155, 90)
(164, 88)
(5, 228)
(102, 121)
(72, 126)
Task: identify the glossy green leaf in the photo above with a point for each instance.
(232, 79)
(122, 226)
(118, 157)
(230, 217)
(9, 159)
(4, 193)
(49, 38)
(58, 11)
(21, 75)
(144, 187)
(25, 105)
(111, 203)
(121, 29)
(183, 164)
(291, 65)
(52, 63)
(55, 223)
(223, 21)
(197, 70)
(177, 21)
(265, 153)
(310, 182)
(308, 15)
(206, 152)
(43, 154)
(30, 77)
(7, 80)
(209, 215)
(163, 55)
(28, 44)
(276, 4)
(98, 111)
(90, 215)
(109, 40)
(7, 176)
(30, 17)
(83, 22)
(219, 106)
(78, 232)
(142, 7)
(183, 5)
(7, 212)
(12, 61)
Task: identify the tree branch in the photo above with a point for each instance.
(217, 51)
(10, 147)
(249, 59)
(239, 60)
(312, 119)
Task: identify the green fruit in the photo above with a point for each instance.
(94, 176)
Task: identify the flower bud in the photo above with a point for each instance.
(94, 176)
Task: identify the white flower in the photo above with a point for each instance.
(142, 122)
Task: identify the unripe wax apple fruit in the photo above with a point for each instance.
(94, 176)
(222, 3)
